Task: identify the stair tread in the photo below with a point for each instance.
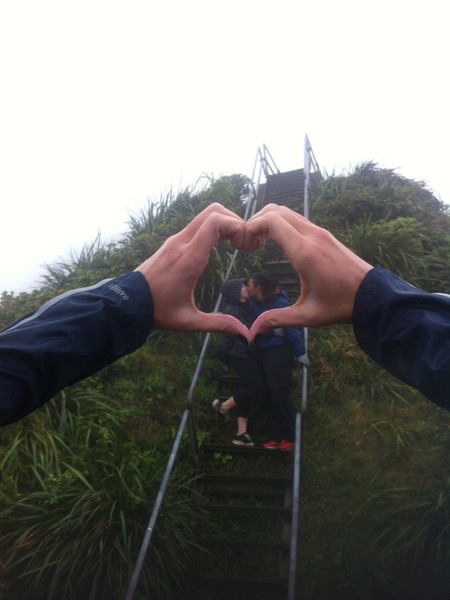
(244, 508)
(245, 479)
(236, 541)
(244, 450)
(261, 494)
(231, 582)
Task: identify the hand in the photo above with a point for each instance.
(173, 271)
(330, 274)
(303, 361)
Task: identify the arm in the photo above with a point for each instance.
(406, 331)
(80, 332)
(70, 338)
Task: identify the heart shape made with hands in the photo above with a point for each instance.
(255, 236)
(328, 272)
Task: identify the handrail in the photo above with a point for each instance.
(266, 161)
(187, 420)
(309, 163)
(155, 512)
(295, 507)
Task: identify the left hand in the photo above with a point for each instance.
(303, 360)
(173, 271)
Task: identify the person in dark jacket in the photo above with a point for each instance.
(278, 350)
(235, 352)
(404, 329)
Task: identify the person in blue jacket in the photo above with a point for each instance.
(404, 329)
(278, 349)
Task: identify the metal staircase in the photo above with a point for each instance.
(286, 189)
(239, 491)
(239, 557)
(245, 500)
(290, 189)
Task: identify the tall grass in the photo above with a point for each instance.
(375, 498)
(76, 504)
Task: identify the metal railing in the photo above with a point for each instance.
(310, 163)
(187, 421)
(155, 513)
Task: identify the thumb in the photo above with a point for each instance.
(216, 323)
(277, 317)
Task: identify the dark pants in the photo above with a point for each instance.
(251, 383)
(277, 364)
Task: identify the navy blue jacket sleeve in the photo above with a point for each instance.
(69, 338)
(406, 331)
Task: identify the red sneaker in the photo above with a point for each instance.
(270, 445)
(285, 445)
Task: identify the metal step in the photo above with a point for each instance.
(286, 189)
(245, 508)
(226, 583)
(220, 588)
(246, 450)
(272, 495)
(217, 540)
(251, 481)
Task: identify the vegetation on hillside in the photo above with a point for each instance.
(80, 475)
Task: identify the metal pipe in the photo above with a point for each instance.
(295, 508)
(155, 512)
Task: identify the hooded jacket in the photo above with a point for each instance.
(278, 337)
(235, 346)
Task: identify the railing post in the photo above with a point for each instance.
(156, 509)
(295, 508)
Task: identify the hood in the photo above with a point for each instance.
(231, 291)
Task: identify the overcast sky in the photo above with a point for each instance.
(105, 103)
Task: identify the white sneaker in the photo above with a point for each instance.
(243, 440)
(222, 414)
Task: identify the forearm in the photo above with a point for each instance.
(406, 331)
(70, 338)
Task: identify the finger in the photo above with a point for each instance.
(290, 316)
(288, 232)
(194, 255)
(216, 226)
(213, 209)
(187, 256)
(178, 264)
(288, 214)
(214, 323)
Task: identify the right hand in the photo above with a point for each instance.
(330, 274)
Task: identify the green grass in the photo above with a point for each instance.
(375, 492)
(79, 478)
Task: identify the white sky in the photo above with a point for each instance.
(105, 103)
